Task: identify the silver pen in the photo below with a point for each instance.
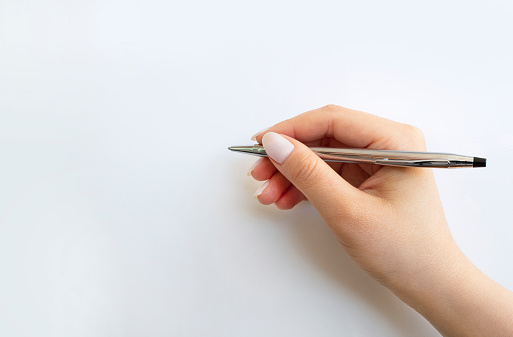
(381, 157)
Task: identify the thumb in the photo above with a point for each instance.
(330, 194)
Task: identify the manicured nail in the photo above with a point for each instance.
(254, 165)
(253, 138)
(261, 189)
(277, 147)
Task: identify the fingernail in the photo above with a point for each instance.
(253, 138)
(277, 147)
(254, 165)
(261, 189)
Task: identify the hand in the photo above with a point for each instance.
(388, 219)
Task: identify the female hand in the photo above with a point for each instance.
(388, 219)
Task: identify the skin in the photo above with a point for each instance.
(389, 220)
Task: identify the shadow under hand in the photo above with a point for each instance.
(317, 244)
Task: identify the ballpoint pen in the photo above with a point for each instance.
(381, 157)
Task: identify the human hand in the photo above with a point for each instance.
(388, 219)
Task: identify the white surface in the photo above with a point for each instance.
(123, 214)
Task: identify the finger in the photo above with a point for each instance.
(349, 127)
(356, 174)
(262, 170)
(274, 189)
(290, 198)
(331, 195)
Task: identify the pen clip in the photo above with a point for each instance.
(414, 163)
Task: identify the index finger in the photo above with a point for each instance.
(350, 127)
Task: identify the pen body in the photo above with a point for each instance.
(383, 157)
(395, 158)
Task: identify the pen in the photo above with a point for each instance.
(381, 157)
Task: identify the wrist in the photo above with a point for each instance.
(458, 299)
(434, 286)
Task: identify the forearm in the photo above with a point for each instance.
(460, 300)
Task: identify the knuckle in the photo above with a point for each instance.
(306, 169)
(415, 131)
(415, 135)
(332, 108)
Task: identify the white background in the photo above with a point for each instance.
(123, 214)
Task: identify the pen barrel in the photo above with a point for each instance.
(394, 158)
(382, 157)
